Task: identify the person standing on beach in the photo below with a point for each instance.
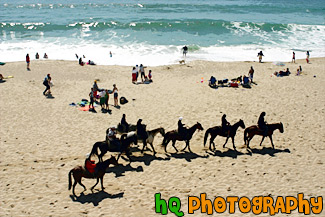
(150, 76)
(293, 57)
(28, 62)
(106, 99)
(251, 74)
(185, 49)
(134, 75)
(307, 56)
(91, 97)
(260, 56)
(110, 54)
(46, 83)
(142, 72)
(115, 95)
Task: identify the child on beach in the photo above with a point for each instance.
(251, 74)
(307, 56)
(134, 75)
(150, 76)
(115, 95)
(46, 82)
(106, 99)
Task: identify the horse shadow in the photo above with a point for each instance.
(269, 151)
(188, 156)
(147, 158)
(229, 153)
(95, 198)
(121, 169)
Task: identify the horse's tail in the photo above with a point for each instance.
(70, 181)
(206, 136)
(94, 150)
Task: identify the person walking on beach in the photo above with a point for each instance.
(185, 49)
(260, 56)
(293, 57)
(251, 74)
(46, 83)
(115, 95)
(307, 56)
(28, 62)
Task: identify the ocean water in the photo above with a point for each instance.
(152, 32)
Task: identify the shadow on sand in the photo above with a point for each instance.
(95, 198)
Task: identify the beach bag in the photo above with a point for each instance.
(123, 100)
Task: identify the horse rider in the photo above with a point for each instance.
(182, 131)
(225, 125)
(141, 130)
(124, 124)
(90, 165)
(111, 137)
(262, 124)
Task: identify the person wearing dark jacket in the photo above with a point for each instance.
(181, 129)
(225, 125)
(262, 123)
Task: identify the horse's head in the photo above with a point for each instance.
(241, 124)
(281, 128)
(199, 126)
(113, 161)
(162, 131)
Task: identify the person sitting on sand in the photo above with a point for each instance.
(124, 124)
(81, 62)
(37, 56)
(212, 82)
(262, 123)
(182, 130)
(45, 56)
(1, 77)
(91, 63)
(46, 82)
(225, 125)
(246, 80)
(150, 76)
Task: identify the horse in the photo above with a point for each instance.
(217, 130)
(251, 131)
(107, 145)
(174, 135)
(151, 136)
(80, 171)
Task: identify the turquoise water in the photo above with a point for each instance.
(153, 32)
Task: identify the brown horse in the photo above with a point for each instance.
(251, 131)
(174, 135)
(80, 171)
(215, 131)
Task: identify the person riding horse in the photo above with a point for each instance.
(182, 131)
(262, 124)
(225, 125)
(141, 130)
(124, 124)
(90, 165)
(111, 137)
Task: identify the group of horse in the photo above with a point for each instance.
(130, 136)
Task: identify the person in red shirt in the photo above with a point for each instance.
(90, 165)
(28, 62)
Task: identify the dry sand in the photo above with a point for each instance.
(42, 139)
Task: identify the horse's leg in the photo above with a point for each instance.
(271, 141)
(127, 152)
(174, 141)
(166, 143)
(226, 141)
(92, 188)
(262, 140)
(154, 152)
(188, 145)
(212, 143)
(73, 187)
(101, 182)
(144, 145)
(233, 143)
(82, 184)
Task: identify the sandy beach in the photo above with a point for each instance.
(42, 139)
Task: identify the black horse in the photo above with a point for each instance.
(217, 130)
(121, 146)
(174, 135)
